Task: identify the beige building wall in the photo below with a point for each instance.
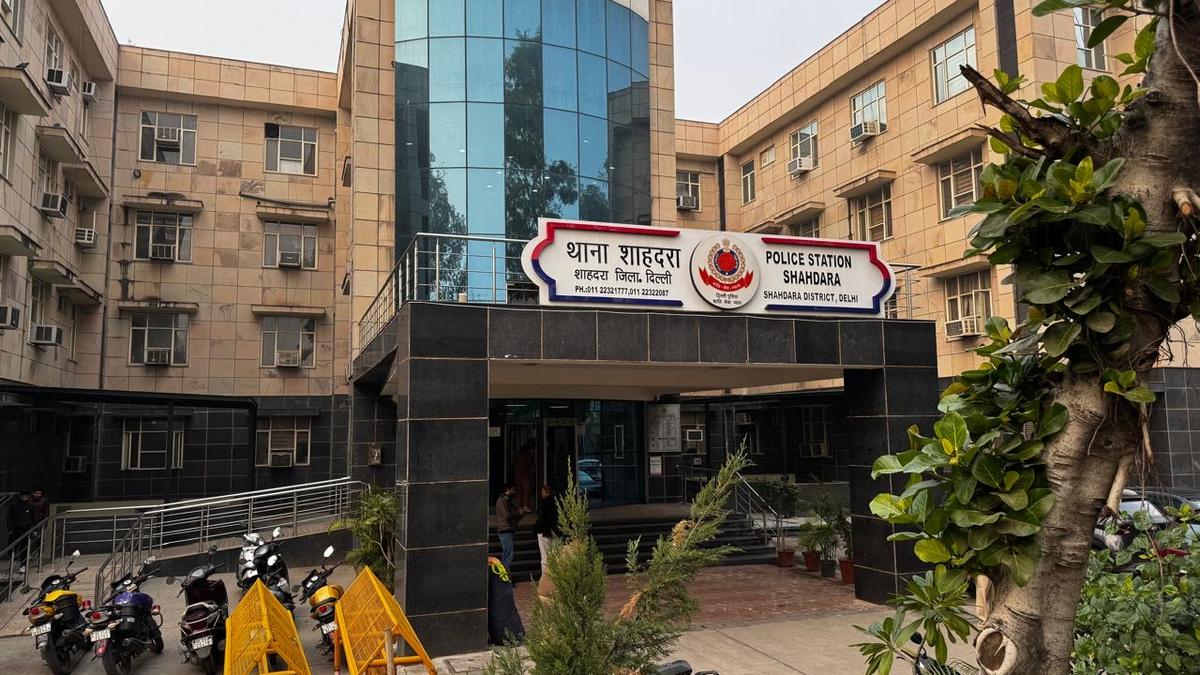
(662, 112)
(225, 289)
(77, 134)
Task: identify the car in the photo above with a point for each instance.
(1164, 499)
(593, 468)
(1153, 503)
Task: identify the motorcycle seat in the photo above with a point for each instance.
(199, 610)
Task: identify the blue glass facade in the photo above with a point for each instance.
(511, 110)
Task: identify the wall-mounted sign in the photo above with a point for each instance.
(581, 263)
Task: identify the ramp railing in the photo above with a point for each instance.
(744, 500)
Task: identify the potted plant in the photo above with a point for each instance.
(832, 514)
(846, 538)
(784, 498)
(828, 540)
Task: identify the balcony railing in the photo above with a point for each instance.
(482, 269)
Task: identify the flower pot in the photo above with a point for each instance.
(847, 571)
(812, 561)
(785, 557)
(829, 568)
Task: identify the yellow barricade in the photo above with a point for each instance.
(259, 628)
(364, 613)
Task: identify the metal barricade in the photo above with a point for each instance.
(369, 621)
(259, 629)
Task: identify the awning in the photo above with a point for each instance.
(950, 146)
(799, 213)
(51, 272)
(955, 268)
(288, 214)
(59, 145)
(166, 202)
(14, 242)
(287, 310)
(79, 293)
(154, 306)
(864, 184)
(20, 94)
(769, 227)
(87, 182)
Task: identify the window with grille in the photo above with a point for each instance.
(163, 236)
(870, 105)
(291, 149)
(748, 191)
(144, 444)
(158, 339)
(969, 296)
(948, 59)
(286, 335)
(290, 245)
(282, 441)
(1086, 20)
(959, 180)
(810, 228)
(168, 137)
(804, 142)
(871, 215)
(687, 184)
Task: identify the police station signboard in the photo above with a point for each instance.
(577, 263)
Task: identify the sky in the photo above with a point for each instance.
(726, 51)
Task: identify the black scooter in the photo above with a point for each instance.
(202, 628)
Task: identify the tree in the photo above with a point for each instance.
(373, 525)
(1094, 206)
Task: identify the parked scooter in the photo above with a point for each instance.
(253, 555)
(127, 624)
(55, 620)
(202, 628)
(322, 597)
(274, 574)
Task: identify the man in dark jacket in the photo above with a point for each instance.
(547, 524)
(509, 515)
(40, 503)
(22, 515)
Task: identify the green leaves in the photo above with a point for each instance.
(1124, 383)
(1044, 288)
(1059, 337)
(952, 428)
(1106, 28)
(932, 551)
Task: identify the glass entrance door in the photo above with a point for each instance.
(558, 451)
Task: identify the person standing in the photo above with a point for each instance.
(510, 516)
(547, 523)
(22, 515)
(41, 504)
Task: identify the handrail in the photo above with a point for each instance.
(21, 550)
(745, 500)
(205, 501)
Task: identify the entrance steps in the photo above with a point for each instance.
(612, 536)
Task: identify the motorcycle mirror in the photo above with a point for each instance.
(276, 532)
(328, 552)
(25, 590)
(75, 553)
(271, 561)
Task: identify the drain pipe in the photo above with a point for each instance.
(721, 190)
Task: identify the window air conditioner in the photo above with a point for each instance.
(279, 460)
(10, 317)
(162, 251)
(88, 90)
(741, 418)
(686, 203)
(289, 258)
(694, 435)
(85, 237)
(74, 464)
(167, 135)
(287, 359)
(158, 356)
(45, 334)
(963, 328)
(799, 165)
(58, 81)
(864, 130)
(54, 205)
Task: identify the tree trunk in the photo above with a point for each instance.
(1030, 630)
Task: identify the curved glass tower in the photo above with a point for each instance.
(511, 110)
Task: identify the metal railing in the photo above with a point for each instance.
(199, 522)
(26, 557)
(744, 500)
(450, 268)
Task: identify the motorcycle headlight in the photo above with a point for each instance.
(281, 583)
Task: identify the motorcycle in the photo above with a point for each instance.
(274, 575)
(202, 628)
(126, 624)
(56, 621)
(322, 597)
(254, 548)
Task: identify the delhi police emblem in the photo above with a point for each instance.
(723, 273)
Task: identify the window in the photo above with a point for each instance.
(163, 236)
(870, 105)
(687, 184)
(959, 179)
(8, 124)
(39, 295)
(69, 191)
(73, 72)
(810, 228)
(282, 441)
(1086, 20)
(969, 296)
(767, 157)
(290, 245)
(286, 335)
(168, 138)
(54, 48)
(291, 149)
(814, 430)
(948, 58)
(69, 316)
(871, 215)
(804, 142)
(748, 193)
(47, 181)
(12, 12)
(891, 308)
(144, 444)
(4, 283)
(158, 339)
(85, 121)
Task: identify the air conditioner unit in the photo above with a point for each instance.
(799, 165)
(289, 258)
(74, 464)
(694, 435)
(58, 80)
(162, 251)
(54, 205)
(864, 130)
(687, 203)
(962, 328)
(88, 91)
(85, 237)
(741, 418)
(10, 317)
(45, 334)
(158, 356)
(167, 135)
(287, 359)
(279, 460)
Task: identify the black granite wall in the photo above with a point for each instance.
(1175, 429)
